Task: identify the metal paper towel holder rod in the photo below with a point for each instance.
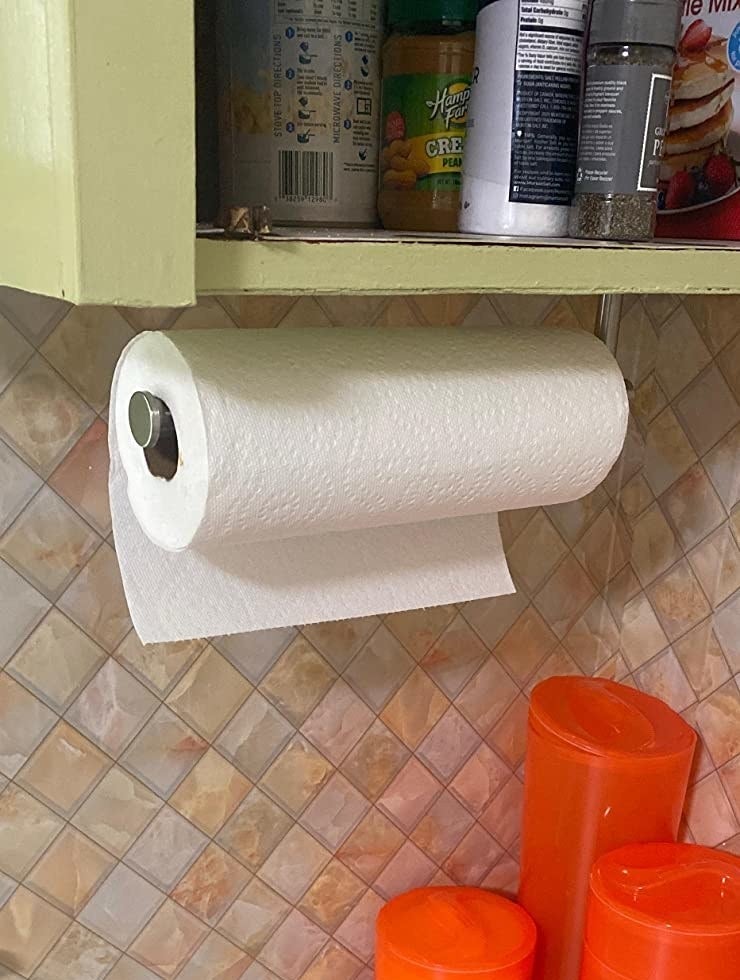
(153, 428)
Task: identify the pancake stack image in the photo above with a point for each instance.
(698, 166)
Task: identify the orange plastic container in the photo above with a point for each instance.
(441, 933)
(606, 766)
(663, 912)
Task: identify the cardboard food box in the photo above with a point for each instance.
(700, 172)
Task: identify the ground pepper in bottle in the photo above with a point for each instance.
(427, 69)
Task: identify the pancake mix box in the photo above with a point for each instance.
(700, 173)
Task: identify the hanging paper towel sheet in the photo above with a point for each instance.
(326, 474)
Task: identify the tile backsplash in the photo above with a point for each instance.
(239, 809)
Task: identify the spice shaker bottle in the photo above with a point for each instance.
(631, 52)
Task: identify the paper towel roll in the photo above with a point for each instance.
(326, 474)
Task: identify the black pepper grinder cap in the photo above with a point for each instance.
(636, 22)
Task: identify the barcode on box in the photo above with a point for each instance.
(305, 175)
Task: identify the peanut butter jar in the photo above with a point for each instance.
(427, 70)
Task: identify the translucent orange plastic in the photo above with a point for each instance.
(664, 912)
(440, 933)
(606, 766)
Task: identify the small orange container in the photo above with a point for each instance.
(462, 933)
(663, 912)
(606, 766)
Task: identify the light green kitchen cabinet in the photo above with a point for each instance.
(97, 164)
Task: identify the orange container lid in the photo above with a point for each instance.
(666, 910)
(601, 718)
(456, 931)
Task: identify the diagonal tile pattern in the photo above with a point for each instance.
(240, 809)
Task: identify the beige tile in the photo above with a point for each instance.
(513, 522)
(716, 318)
(34, 315)
(296, 776)
(338, 722)
(723, 466)
(586, 309)
(127, 969)
(112, 708)
(536, 552)
(446, 310)
(293, 946)
(415, 708)
(298, 681)
(255, 830)
(397, 312)
(208, 314)
(635, 497)
(615, 669)
(29, 927)
(164, 752)
(116, 811)
(480, 779)
(574, 518)
(375, 760)
(655, 546)
(730, 776)
(339, 642)
(594, 637)
(210, 794)
(455, 657)
(665, 679)
(357, 932)
(473, 858)
(558, 663)
(681, 354)
(638, 344)
(408, 869)
(718, 719)
(379, 668)
(562, 315)
(82, 477)
(509, 735)
(371, 846)
(709, 814)
(491, 618)
(678, 600)
(24, 721)
(660, 306)
(211, 885)
(708, 410)
(84, 349)
(158, 665)
(166, 849)
(642, 636)
(419, 628)
(487, 696)
(253, 917)
(668, 452)
(504, 878)
(254, 736)
(56, 661)
(96, 602)
(448, 745)
(716, 563)
(121, 906)
(253, 654)
(79, 954)
(70, 871)
(620, 590)
(524, 309)
(605, 548)
(335, 812)
(631, 460)
(351, 311)
(216, 959)
(41, 416)
(149, 318)
(410, 794)
(502, 818)
(18, 483)
(729, 362)
(693, 506)
(727, 628)
(564, 596)
(257, 311)
(168, 941)
(334, 962)
(442, 828)
(27, 828)
(48, 544)
(294, 864)
(63, 769)
(306, 312)
(14, 352)
(21, 608)
(209, 694)
(526, 645)
(648, 401)
(700, 654)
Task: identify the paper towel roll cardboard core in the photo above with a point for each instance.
(329, 473)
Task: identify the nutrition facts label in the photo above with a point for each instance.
(547, 89)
